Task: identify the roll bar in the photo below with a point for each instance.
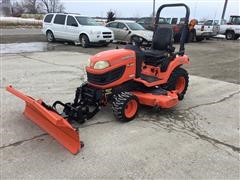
(185, 29)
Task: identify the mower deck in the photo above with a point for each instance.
(162, 99)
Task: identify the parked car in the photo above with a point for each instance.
(76, 28)
(148, 23)
(231, 30)
(212, 25)
(204, 30)
(130, 31)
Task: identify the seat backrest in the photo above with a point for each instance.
(162, 38)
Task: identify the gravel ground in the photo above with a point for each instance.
(216, 59)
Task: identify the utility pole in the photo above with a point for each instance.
(153, 14)
(224, 9)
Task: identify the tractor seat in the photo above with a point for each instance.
(161, 48)
(155, 54)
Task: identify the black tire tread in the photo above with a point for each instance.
(49, 31)
(233, 35)
(118, 105)
(87, 40)
(171, 84)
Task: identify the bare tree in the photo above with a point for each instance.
(110, 16)
(52, 6)
(32, 6)
(5, 8)
(17, 9)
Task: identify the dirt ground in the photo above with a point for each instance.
(197, 139)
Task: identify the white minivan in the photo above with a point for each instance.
(76, 28)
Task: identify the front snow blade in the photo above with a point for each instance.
(50, 121)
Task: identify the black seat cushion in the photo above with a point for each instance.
(162, 39)
(161, 48)
(155, 54)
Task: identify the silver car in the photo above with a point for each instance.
(130, 31)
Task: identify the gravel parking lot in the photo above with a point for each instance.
(216, 59)
(197, 139)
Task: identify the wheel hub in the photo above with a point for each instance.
(49, 36)
(180, 84)
(130, 108)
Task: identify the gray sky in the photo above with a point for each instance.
(211, 9)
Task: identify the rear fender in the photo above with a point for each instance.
(163, 76)
(178, 61)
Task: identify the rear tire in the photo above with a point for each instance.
(178, 81)
(177, 38)
(125, 106)
(50, 36)
(84, 41)
(192, 36)
(230, 35)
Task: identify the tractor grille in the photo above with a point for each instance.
(106, 78)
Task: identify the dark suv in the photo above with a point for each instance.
(147, 22)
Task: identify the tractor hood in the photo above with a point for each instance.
(110, 68)
(113, 57)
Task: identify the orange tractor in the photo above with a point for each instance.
(126, 78)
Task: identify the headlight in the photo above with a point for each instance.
(101, 65)
(98, 32)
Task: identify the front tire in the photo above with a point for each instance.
(135, 40)
(106, 44)
(84, 41)
(199, 39)
(50, 36)
(125, 106)
(236, 36)
(178, 81)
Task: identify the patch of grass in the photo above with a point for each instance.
(6, 25)
(34, 16)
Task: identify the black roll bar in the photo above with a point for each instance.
(185, 28)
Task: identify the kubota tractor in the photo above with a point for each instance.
(126, 78)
